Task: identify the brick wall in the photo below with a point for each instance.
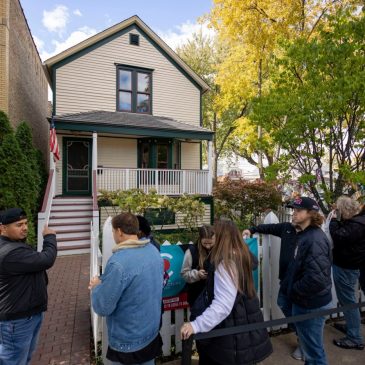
(28, 88)
(4, 54)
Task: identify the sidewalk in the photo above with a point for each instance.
(65, 334)
(285, 344)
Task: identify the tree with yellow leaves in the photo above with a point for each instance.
(251, 30)
(203, 54)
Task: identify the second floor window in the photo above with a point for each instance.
(134, 90)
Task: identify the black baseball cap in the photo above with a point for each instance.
(12, 215)
(303, 202)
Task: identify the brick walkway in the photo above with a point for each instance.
(65, 334)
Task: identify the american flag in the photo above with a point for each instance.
(53, 143)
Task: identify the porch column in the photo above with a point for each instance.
(95, 151)
(210, 167)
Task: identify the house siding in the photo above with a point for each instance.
(117, 152)
(89, 81)
(190, 156)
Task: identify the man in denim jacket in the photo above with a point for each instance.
(129, 295)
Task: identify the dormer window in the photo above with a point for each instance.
(134, 90)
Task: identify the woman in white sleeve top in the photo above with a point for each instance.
(231, 301)
(194, 264)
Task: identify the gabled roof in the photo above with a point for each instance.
(134, 20)
(131, 123)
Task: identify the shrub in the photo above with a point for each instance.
(16, 185)
(188, 208)
(23, 176)
(242, 200)
(182, 236)
(5, 127)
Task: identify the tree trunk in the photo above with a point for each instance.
(259, 132)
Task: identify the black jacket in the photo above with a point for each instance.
(308, 280)
(288, 235)
(245, 348)
(23, 279)
(349, 242)
(194, 289)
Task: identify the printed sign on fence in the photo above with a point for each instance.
(177, 302)
(173, 297)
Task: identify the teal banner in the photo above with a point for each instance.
(173, 257)
(253, 246)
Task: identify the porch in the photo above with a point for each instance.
(161, 154)
(163, 181)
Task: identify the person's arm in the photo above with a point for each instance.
(26, 260)
(275, 229)
(189, 275)
(225, 293)
(316, 263)
(105, 296)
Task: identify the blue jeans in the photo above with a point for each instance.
(310, 333)
(346, 283)
(18, 339)
(151, 362)
(362, 280)
(286, 306)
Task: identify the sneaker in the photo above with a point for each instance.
(347, 344)
(340, 327)
(298, 354)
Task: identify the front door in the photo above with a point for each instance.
(158, 154)
(77, 166)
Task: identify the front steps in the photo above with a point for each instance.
(70, 218)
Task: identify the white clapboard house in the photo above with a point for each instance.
(128, 114)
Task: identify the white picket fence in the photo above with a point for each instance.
(269, 251)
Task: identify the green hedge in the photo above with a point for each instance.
(23, 176)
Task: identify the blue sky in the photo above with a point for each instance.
(57, 25)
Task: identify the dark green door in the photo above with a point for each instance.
(77, 166)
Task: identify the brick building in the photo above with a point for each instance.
(23, 83)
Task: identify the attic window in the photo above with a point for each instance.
(134, 39)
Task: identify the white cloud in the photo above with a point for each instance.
(56, 20)
(75, 37)
(184, 32)
(77, 12)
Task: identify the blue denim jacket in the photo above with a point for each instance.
(129, 296)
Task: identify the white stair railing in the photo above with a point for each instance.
(44, 214)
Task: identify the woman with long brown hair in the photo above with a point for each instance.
(194, 265)
(231, 301)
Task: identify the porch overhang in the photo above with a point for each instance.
(131, 124)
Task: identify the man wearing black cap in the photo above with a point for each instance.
(308, 279)
(23, 287)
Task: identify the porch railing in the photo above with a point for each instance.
(165, 182)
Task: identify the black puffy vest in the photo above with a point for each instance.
(245, 348)
(194, 289)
